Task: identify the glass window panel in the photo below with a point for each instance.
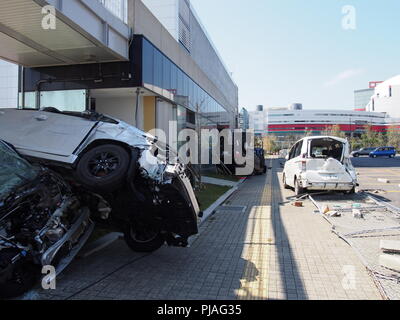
(166, 74)
(30, 100)
(185, 86)
(65, 100)
(148, 63)
(158, 68)
(174, 77)
(180, 82)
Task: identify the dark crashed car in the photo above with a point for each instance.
(42, 222)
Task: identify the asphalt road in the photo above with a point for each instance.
(370, 170)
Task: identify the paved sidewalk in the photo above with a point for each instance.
(270, 251)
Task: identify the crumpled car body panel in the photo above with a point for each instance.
(61, 138)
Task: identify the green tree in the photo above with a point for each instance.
(270, 144)
(334, 131)
(393, 137)
(372, 138)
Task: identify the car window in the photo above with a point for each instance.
(14, 171)
(298, 149)
(292, 151)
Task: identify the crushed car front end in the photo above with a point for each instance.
(41, 223)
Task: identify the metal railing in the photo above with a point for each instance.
(119, 8)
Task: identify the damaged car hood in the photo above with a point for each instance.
(61, 137)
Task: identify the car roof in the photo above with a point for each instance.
(324, 137)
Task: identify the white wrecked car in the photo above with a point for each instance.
(153, 198)
(320, 163)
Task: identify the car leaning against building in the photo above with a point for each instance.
(320, 163)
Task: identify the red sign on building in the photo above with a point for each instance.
(373, 84)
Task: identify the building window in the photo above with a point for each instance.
(184, 24)
(390, 91)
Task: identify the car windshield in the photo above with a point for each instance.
(326, 148)
(14, 171)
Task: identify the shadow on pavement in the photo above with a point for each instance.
(215, 267)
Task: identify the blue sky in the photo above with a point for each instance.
(286, 51)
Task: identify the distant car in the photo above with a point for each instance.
(362, 152)
(383, 152)
(320, 163)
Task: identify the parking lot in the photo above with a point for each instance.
(259, 246)
(370, 170)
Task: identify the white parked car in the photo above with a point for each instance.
(320, 163)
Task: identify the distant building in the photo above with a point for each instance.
(244, 119)
(257, 121)
(362, 97)
(386, 98)
(288, 124)
(8, 85)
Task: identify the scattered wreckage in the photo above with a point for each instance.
(60, 172)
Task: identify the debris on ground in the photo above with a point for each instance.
(325, 209)
(298, 204)
(390, 246)
(383, 180)
(334, 214)
(390, 261)
(371, 227)
(374, 191)
(358, 214)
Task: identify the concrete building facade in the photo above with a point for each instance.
(122, 58)
(386, 98)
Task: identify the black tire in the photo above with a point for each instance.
(103, 167)
(356, 155)
(374, 156)
(22, 275)
(297, 189)
(285, 185)
(143, 240)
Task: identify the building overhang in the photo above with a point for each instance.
(84, 32)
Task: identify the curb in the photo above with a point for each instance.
(210, 210)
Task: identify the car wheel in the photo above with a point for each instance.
(21, 277)
(285, 185)
(103, 167)
(356, 155)
(144, 239)
(391, 156)
(298, 189)
(374, 156)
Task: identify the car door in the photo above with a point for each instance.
(291, 166)
(36, 133)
